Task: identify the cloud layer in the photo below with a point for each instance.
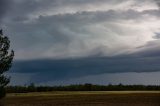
(64, 69)
(4, 4)
(70, 29)
(75, 38)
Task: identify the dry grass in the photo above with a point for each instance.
(113, 98)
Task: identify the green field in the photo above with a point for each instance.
(85, 98)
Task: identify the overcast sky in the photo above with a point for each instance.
(57, 40)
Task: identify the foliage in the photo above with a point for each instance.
(5, 62)
(81, 87)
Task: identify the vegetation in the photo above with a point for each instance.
(5, 62)
(80, 87)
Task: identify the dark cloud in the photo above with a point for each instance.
(151, 49)
(146, 59)
(46, 70)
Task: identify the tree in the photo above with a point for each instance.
(6, 58)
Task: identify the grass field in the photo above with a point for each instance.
(84, 98)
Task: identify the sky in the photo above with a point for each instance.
(59, 42)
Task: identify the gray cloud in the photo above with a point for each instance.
(4, 5)
(151, 49)
(145, 59)
(34, 8)
(81, 37)
(42, 29)
(157, 36)
(73, 34)
(157, 2)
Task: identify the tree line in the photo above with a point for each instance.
(81, 87)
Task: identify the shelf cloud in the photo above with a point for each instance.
(66, 33)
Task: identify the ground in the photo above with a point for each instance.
(85, 98)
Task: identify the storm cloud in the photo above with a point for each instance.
(65, 39)
(82, 34)
(46, 70)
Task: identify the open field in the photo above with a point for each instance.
(85, 98)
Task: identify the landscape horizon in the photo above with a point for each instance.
(79, 52)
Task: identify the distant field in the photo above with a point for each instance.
(85, 98)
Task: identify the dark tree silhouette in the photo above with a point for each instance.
(6, 58)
